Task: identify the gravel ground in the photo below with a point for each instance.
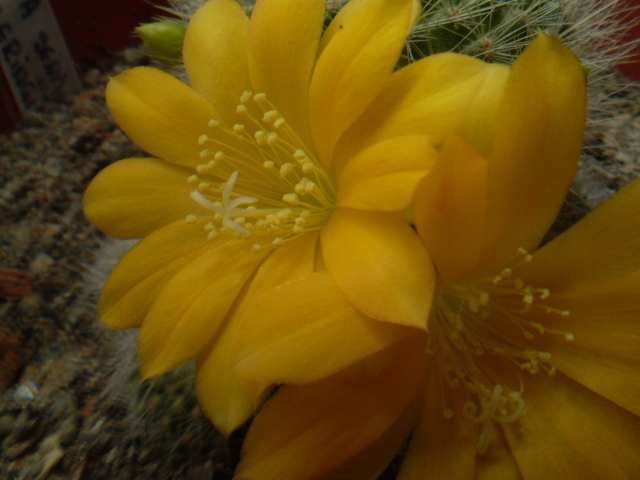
(56, 362)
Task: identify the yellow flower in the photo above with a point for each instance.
(530, 367)
(291, 151)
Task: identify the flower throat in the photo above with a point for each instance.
(269, 187)
(480, 336)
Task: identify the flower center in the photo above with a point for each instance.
(268, 186)
(481, 335)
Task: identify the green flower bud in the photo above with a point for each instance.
(164, 40)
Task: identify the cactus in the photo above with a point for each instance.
(498, 30)
(491, 30)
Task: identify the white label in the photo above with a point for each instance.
(33, 53)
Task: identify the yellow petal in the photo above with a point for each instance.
(537, 143)
(451, 208)
(345, 427)
(283, 43)
(577, 433)
(380, 264)
(133, 197)
(215, 55)
(436, 96)
(612, 374)
(384, 176)
(226, 399)
(306, 330)
(604, 353)
(187, 313)
(354, 65)
(442, 446)
(145, 270)
(596, 258)
(161, 114)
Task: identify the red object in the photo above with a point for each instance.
(631, 67)
(97, 28)
(9, 110)
(93, 30)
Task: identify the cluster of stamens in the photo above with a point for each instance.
(258, 179)
(473, 333)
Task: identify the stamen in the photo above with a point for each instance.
(482, 318)
(279, 174)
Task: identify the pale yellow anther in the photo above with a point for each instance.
(307, 167)
(544, 356)
(279, 123)
(219, 156)
(191, 218)
(272, 219)
(569, 337)
(528, 257)
(522, 251)
(278, 242)
(241, 108)
(300, 154)
(203, 187)
(538, 326)
(484, 298)
(212, 164)
(272, 137)
(286, 169)
(260, 137)
(506, 273)
(209, 227)
(202, 139)
(256, 247)
(474, 305)
(496, 280)
(528, 298)
(204, 153)
(246, 96)
(270, 116)
(544, 293)
(212, 234)
(300, 188)
(260, 97)
(201, 169)
(310, 187)
(238, 128)
(284, 214)
(193, 179)
(213, 123)
(267, 164)
(291, 198)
